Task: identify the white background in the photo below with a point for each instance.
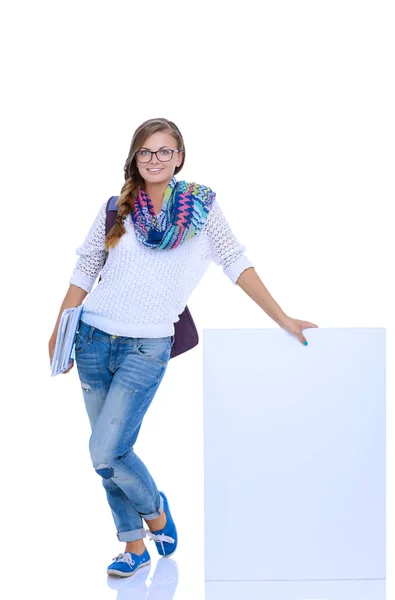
(286, 109)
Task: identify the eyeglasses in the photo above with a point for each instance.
(164, 154)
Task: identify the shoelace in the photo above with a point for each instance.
(161, 537)
(124, 557)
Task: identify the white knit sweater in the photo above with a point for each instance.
(143, 290)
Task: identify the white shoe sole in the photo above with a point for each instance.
(167, 555)
(123, 574)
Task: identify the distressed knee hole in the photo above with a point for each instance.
(104, 471)
(86, 387)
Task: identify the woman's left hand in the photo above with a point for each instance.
(295, 326)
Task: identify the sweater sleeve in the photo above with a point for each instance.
(226, 249)
(91, 253)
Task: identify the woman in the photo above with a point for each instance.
(166, 235)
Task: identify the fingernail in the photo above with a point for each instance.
(305, 343)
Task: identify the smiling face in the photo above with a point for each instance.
(160, 140)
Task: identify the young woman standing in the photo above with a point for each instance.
(166, 234)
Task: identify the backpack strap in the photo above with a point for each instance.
(111, 203)
(111, 215)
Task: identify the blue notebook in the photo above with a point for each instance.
(65, 339)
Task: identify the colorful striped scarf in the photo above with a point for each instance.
(184, 211)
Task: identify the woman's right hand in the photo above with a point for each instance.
(51, 349)
(71, 365)
(74, 297)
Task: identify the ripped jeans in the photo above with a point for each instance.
(119, 378)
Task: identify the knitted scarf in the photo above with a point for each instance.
(184, 211)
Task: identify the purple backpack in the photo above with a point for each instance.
(185, 333)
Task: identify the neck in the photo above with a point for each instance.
(156, 190)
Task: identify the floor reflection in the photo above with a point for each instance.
(140, 586)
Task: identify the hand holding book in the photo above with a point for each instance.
(64, 346)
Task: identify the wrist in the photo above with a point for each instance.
(283, 320)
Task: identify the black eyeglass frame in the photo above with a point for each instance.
(156, 154)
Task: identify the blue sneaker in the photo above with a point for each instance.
(166, 538)
(126, 563)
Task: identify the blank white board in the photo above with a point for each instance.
(294, 455)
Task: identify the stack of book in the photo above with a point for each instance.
(64, 347)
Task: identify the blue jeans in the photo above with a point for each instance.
(119, 378)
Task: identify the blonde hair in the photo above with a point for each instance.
(133, 179)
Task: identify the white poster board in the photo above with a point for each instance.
(294, 455)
